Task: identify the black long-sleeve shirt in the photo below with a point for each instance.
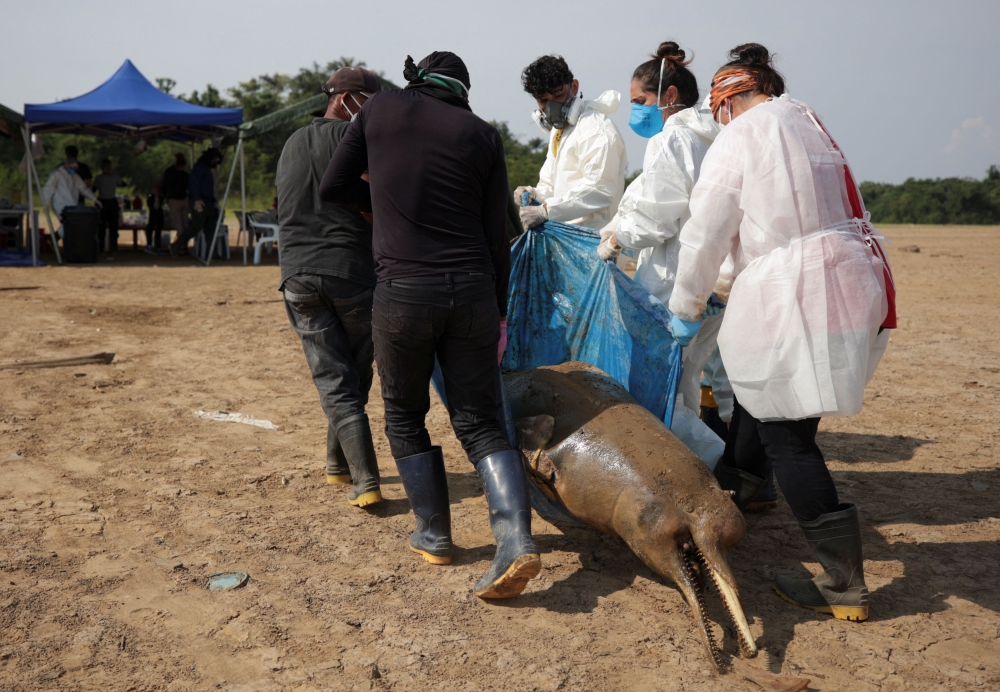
(438, 188)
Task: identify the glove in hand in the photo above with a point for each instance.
(683, 330)
(533, 216)
(519, 194)
(714, 307)
(607, 251)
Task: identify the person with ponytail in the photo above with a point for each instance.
(810, 302)
(666, 110)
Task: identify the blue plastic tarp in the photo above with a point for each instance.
(566, 304)
(18, 258)
(128, 104)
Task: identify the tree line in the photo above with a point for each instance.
(939, 201)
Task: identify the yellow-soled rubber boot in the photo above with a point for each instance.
(516, 561)
(338, 472)
(426, 485)
(356, 440)
(840, 590)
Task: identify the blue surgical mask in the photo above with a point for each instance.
(646, 121)
(71, 171)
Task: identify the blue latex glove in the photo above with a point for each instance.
(714, 307)
(683, 330)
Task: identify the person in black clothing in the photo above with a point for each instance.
(154, 226)
(328, 277)
(106, 185)
(173, 190)
(438, 195)
(204, 208)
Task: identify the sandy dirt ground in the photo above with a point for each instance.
(116, 503)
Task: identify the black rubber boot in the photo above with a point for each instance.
(337, 470)
(516, 560)
(356, 440)
(744, 485)
(426, 486)
(766, 498)
(840, 590)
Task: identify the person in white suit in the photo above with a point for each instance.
(665, 109)
(583, 177)
(810, 302)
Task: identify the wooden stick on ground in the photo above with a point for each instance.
(96, 359)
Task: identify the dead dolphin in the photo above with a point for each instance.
(616, 467)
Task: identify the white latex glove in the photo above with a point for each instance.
(519, 191)
(607, 232)
(608, 251)
(533, 216)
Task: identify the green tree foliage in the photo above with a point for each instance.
(257, 97)
(523, 160)
(938, 201)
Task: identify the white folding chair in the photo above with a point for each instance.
(268, 234)
(221, 244)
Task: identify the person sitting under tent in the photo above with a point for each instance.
(65, 188)
(201, 196)
(583, 177)
(82, 169)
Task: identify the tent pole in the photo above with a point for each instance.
(33, 172)
(243, 203)
(222, 208)
(32, 228)
(48, 217)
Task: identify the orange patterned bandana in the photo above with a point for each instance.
(727, 83)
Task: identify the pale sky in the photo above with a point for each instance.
(908, 89)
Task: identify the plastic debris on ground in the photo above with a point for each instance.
(225, 581)
(18, 258)
(230, 417)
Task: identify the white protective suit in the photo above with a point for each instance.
(582, 179)
(652, 213)
(63, 189)
(807, 292)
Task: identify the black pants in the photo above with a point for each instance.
(452, 316)
(204, 220)
(109, 223)
(790, 446)
(333, 318)
(154, 228)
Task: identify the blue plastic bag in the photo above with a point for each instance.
(565, 304)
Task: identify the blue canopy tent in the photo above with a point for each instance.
(128, 106)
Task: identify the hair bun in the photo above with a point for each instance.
(751, 54)
(672, 53)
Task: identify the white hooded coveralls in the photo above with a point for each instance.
(652, 213)
(582, 179)
(63, 189)
(807, 293)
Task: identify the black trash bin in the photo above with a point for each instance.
(80, 227)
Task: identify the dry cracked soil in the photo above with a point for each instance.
(116, 504)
